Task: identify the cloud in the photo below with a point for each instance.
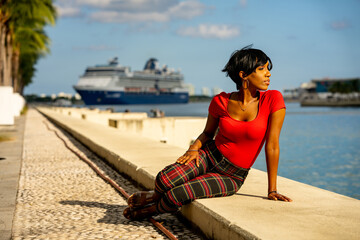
(95, 48)
(68, 11)
(129, 5)
(339, 25)
(186, 10)
(127, 17)
(210, 31)
(134, 11)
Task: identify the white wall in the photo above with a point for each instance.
(11, 105)
(176, 131)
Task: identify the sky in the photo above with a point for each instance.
(307, 39)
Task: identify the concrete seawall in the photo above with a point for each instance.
(176, 131)
(314, 214)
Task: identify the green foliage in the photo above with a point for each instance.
(27, 67)
(25, 21)
(35, 98)
(345, 87)
(199, 98)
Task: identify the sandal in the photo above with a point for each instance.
(140, 199)
(139, 213)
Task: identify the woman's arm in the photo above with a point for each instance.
(272, 152)
(208, 134)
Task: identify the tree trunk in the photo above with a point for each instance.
(2, 54)
(8, 57)
(15, 68)
(21, 86)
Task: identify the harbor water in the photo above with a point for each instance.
(320, 146)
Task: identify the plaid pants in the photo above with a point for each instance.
(181, 184)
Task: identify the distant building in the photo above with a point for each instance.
(64, 95)
(216, 91)
(291, 94)
(190, 88)
(77, 96)
(331, 92)
(205, 91)
(309, 87)
(343, 85)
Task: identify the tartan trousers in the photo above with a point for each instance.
(180, 184)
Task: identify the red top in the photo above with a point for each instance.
(241, 141)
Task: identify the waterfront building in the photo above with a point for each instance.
(291, 93)
(216, 91)
(190, 88)
(77, 96)
(205, 91)
(344, 85)
(331, 92)
(64, 95)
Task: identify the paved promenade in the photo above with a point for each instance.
(314, 214)
(60, 197)
(10, 161)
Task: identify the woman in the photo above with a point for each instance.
(245, 120)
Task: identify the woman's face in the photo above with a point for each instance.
(260, 78)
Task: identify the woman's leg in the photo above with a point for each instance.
(172, 175)
(143, 198)
(140, 213)
(205, 186)
(177, 174)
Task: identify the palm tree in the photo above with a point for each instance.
(25, 34)
(5, 43)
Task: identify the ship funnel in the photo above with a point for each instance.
(113, 61)
(151, 64)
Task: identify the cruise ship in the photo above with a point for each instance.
(113, 83)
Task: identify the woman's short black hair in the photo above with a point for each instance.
(247, 60)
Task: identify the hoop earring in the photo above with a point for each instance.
(242, 84)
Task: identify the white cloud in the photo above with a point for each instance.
(68, 11)
(94, 3)
(127, 17)
(129, 5)
(95, 48)
(210, 31)
(134, 11)
(186, 10)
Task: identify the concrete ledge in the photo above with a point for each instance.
(168, 130)
(314, 214)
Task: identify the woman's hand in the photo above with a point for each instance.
(208, 133)
(274, 195)
(189, 156)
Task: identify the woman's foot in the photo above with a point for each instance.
(139, 213)
(140, 199)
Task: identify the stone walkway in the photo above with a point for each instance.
(61, 197)
(11, 143)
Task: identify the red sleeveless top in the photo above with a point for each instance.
(240, 141)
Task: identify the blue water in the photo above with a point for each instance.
(320, 146)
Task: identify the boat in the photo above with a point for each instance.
(113, 83)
